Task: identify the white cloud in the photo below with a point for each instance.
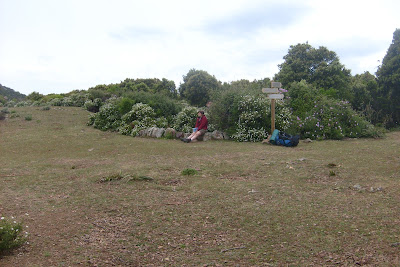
(59, 46)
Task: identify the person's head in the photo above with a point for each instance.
(200, 113)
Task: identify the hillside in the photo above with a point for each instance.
(10, 94)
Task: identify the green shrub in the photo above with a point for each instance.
(56, 102)
(333, 119)
(11, 234)
(45, 108)
(125, 105)
(253, 112)
(28, 117)
(108, 118)
(189, 172)
(185, 120)
(162, 105)
(93, 105)
(140, 117)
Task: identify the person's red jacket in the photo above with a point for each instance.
(201, 123)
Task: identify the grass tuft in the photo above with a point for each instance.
(189, 172)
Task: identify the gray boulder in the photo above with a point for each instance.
(157, 132)
(170, 132)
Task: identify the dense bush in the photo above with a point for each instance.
(332, 119)
(11, 234)
(163, 106)
(251, 125)
(108, 118)
(141, 116)
(93, 105)
(185, 120)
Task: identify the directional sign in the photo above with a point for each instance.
(275, 96)
(276, 85)
(270, 90)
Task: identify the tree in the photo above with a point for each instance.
(197, 86)
(388, 75)
(35, 96)
(319, 67)
(364, 87)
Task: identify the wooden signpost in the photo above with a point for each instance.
(273, 94)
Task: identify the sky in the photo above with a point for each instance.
(56, 46)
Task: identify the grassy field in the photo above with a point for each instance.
(93, 198)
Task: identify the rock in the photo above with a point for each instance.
(170, 133)
(308, 140)
(179, 135)
(141, 133)
(157, 132)
(148, 132)
(217, 135)
(357, 187)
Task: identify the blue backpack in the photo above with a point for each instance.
(283, 139)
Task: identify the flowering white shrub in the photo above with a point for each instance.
(56, 102)
(185, 120)
(252, 119)
(140, 117)
(283, 116)
(11, 234)
(23, 104)
(108, 118)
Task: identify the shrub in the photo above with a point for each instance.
(56, 102)
(140, 117)
(189, 172)
(93, 105)
(163, 106)
(333, 119)
(23, 104)
(125, 105)
(45, 108)
(252, 119)
(10, 104)
(11, 234)
(185, 120)
(108, 118)
(28, 117)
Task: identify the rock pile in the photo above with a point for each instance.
(156, 132)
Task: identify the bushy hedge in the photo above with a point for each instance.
(333, 119)
(140, 117)
(185, 120)
(12, 234)
(251, 124)
(108, 118)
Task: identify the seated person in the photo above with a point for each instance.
(200, 128)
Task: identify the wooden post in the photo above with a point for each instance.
(272, 115)
(273, 94)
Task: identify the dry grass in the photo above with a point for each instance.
(324, 203)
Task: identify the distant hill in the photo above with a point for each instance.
(10, 94)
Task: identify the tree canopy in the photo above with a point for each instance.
(319, 67)
(197, 86)
(388, 75)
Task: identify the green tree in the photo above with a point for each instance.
(365, 88)
(319, 67)
(35, 96)
(388, 75)
(197, 86)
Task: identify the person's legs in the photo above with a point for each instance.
(194, 136)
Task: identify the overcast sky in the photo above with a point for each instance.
(56, 46)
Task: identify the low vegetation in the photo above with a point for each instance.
(322, 203)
